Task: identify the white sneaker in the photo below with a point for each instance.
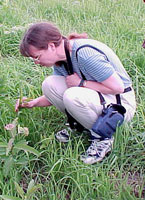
(63, 135)
(97, 150)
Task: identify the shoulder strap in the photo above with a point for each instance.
(90, 46)
(87, 45)
(68, 66)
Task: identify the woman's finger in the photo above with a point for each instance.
(19, 103)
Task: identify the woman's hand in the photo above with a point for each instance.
(24, 103)
(73, 80)
(30, 103)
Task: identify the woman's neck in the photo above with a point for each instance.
(60, 51)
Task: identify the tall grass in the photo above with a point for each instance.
(119, 24)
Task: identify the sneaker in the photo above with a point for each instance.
(97, 150)
(63, 135)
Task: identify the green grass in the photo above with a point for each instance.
(120, 176)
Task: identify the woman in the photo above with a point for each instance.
(102, 70)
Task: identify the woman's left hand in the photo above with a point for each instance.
(73, 80)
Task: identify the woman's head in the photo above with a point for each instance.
(44, 43)
(39, 35)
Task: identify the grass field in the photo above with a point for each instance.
(56, 168)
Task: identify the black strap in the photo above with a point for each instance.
(73, 123)
(81, 83)
(87, 45)
(128, 89)
(68, 66)
(118, 99)
(102, 100)
(83, 76)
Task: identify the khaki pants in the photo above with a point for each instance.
(83, 103)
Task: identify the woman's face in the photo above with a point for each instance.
(46, 57)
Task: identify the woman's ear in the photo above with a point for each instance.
(51, 46)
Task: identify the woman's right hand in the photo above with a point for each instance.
(24, 103)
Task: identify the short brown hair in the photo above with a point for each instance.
(39, 35)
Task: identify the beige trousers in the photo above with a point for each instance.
(83, 103)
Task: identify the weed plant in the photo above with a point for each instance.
(120, 176)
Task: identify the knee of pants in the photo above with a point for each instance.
(81, 98)
(47, 85)
(80, 106)
(70, 98)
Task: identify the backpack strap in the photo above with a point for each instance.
(73, 123)
(90, 46)
(68, 65)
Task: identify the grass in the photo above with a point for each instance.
(119, 24)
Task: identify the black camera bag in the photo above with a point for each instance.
(111, 118)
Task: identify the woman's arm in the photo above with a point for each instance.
(38, 102)
(112, 85)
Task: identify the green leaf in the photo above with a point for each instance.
(19, 190)
(3, 144)
(33, 189)
(22, 161)
(2, 151)
(8, 165)
(27, 148)
(31, 184)
(10, 145)
(15, 151)
(6, 197)
(22, 142)
(3, 157)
